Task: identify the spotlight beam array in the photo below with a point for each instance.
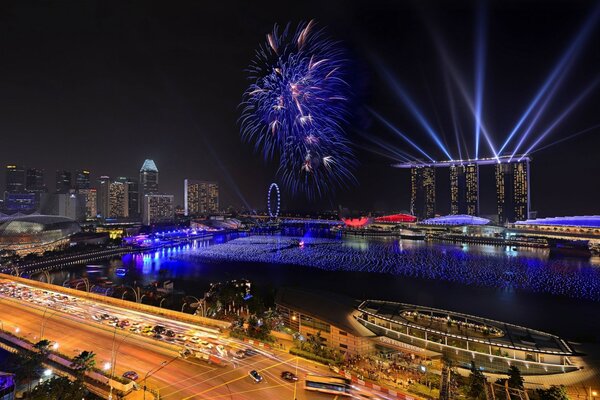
(399, 133)
(558, 69)
(479, 71)
(564, 114)
(415, 111)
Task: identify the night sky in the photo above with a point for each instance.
(88, 85)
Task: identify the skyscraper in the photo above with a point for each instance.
(118, 199)
(103, 197)
(82, 179)
(422, 199)
(464, 189)
(200, 197)
(91, 205)
(512, 191)
(34, 183)
(134, 197)
(63, 181)
(15, 179)
(158, 208)
(148, 178)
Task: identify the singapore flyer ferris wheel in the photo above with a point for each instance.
(273, 200)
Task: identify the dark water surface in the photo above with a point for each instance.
(574, 319)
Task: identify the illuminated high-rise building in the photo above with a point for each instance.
(103, 197)
(158, 208)
(82, 179)
(63, 181)
(148, 178)
(91, 210)
(133, 196)
(118, 199)
(422, 199)
(200, 197)
(15, 179)
(34, 183)
(512, 190)
(464, 189)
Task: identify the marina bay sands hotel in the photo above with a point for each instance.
(512, 187)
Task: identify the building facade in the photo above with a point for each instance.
(103, 197)
(118, 200)
(15, 179)
(158, 208)
(200, 197)
(464, 189)
(309, 313)
(91, 205)
(64, 181)
(422, 200)
(148, 178)
(82, 179)
(512, 191)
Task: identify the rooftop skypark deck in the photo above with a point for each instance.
(478, 161)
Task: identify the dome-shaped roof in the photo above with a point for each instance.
(32, 224)
(459, 219)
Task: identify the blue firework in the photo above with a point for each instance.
(296, 106)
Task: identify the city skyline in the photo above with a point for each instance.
(211, 126)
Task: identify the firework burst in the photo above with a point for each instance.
(296, 107)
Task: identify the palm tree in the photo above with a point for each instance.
(83, 362)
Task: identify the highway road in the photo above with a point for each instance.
(74, 324)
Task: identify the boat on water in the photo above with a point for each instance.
(569, 247)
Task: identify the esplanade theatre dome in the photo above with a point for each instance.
(36, 233)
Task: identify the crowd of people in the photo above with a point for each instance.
(554, 276)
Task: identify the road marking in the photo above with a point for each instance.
(231, 381)
(242, 392)
(256, 361)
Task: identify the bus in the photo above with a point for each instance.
(328, 384)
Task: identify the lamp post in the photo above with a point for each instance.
(113, 361)
(156, 369)
(45, 320)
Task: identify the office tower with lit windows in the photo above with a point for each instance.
(464, 189)
(15, 179)
(82, 179)
(512, 190)
(133, 190)
(200, 197)
(103, 197)
(63, 181)
(34, 183)
(422, 199)
(91, 205)
(158, 208)
(148, 178)
(118, 199)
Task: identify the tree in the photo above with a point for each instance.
(57, 388)
(43, 346)
(515, 380)
(476, 385)
(553, 393)
(83, 362)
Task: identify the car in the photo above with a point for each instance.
(250, 352)
(158, 329)
(288, 376)
(96, 317)
(123, 323)
(221, 350)
(131, 375)
(170, 333)
(256, 377)
(239, 354)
